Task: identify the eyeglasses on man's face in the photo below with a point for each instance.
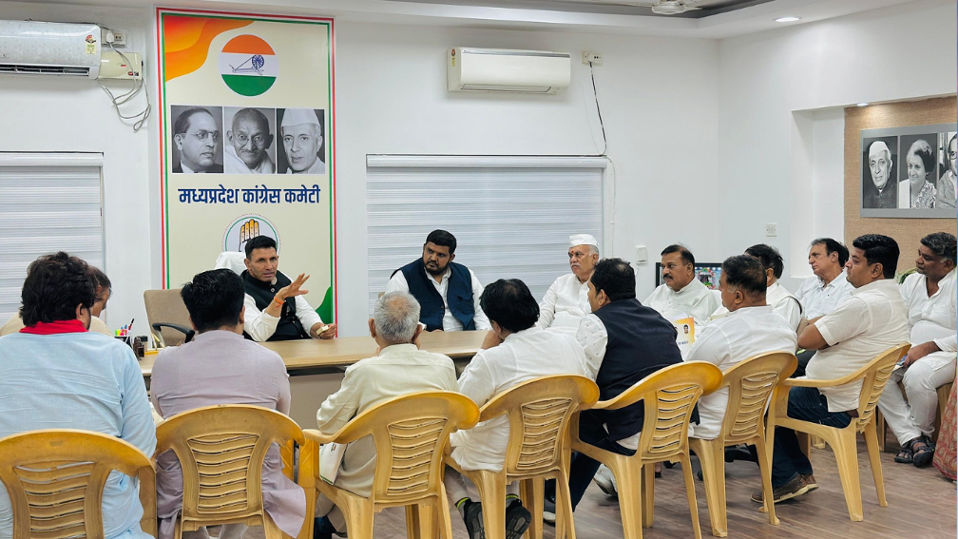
(204, 135)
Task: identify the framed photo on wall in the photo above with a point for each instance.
(908, 172)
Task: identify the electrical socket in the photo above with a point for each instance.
(591, 57)
(771, 230)
(118, 39)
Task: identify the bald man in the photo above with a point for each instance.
(882, 191)
(249, 142)
(302, 135)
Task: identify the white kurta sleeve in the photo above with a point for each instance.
(547, 307)
(258, 324)
(790, 310)
(306, 314)
(479, 318)
(948, 344)
(397, 283)
(593, 338)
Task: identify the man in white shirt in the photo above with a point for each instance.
(567, 299)
(872, 320)
(782, 301)
(681, 295)
(275, 308)
(823, 292)
(398, 368)
(514, 351)
(448, 292)
(929, 296)
(751, 328)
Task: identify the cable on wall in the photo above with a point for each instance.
(138, 118)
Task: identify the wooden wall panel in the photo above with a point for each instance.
(907, 232)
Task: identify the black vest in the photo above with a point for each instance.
(640, 343)
(289, 326)
(458, 295)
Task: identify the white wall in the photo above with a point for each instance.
(391, 98)
(67, 114)
(778, 158)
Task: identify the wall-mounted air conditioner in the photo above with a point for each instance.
(470, 68)
(50, 48)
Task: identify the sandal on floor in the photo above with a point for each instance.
(923, 450)
(905, 455)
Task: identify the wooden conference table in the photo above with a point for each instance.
(308, 355)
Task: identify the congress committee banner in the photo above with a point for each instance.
(246, 139)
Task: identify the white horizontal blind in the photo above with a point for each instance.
(512, 216)
(48, 202)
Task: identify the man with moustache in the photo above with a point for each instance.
(567, 299)
(195, 134)
(249, 139)
(447, 292)
(823, 292)
(682, 295)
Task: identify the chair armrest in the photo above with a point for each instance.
(182, 329)
(813, 382)
(313, 435)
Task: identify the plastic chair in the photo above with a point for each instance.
(55, 481)
(221, 450)
(539, 413)
(750, 384)
(410, 433)
(669, 396)
(168, 316)
(874, 375)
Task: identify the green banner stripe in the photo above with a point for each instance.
(248, 86)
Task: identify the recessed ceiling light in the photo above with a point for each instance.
(788, 19)
(862, 104)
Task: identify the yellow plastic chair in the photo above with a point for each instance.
(411, 433)
(750, 384)
(55, 480)
(669, 396)
(539, 412)
(221, 450)
(874, 375)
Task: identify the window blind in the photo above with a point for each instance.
(48, 202)
(511, 216)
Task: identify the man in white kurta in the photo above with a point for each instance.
(567, 299)
(823, 292)
(929, 295)
(515, 351)
(399, 368)
(681, 295)
(783, 302)
(750, 329)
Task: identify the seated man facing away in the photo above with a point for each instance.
(54, 374)
(219, 366)
(567, 299)
(624, 341)
(447, 292)
(929, 296)
(399, 368)
(782, 301)
(103, 290)
(513, 352)
(751, 328)
(870, 321)
(681, 295)
(275, 308)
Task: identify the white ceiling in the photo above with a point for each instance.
(581, 15)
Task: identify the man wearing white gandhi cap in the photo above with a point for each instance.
(567, 299)
(302, 138)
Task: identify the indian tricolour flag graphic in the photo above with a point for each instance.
(248, 65)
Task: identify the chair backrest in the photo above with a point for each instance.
(875, 376)
(410, 433)
(221, 451)
(750, 384)
(166, 306)
(233, 260)
(669, 396)
(539, 411)
(55, 481)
